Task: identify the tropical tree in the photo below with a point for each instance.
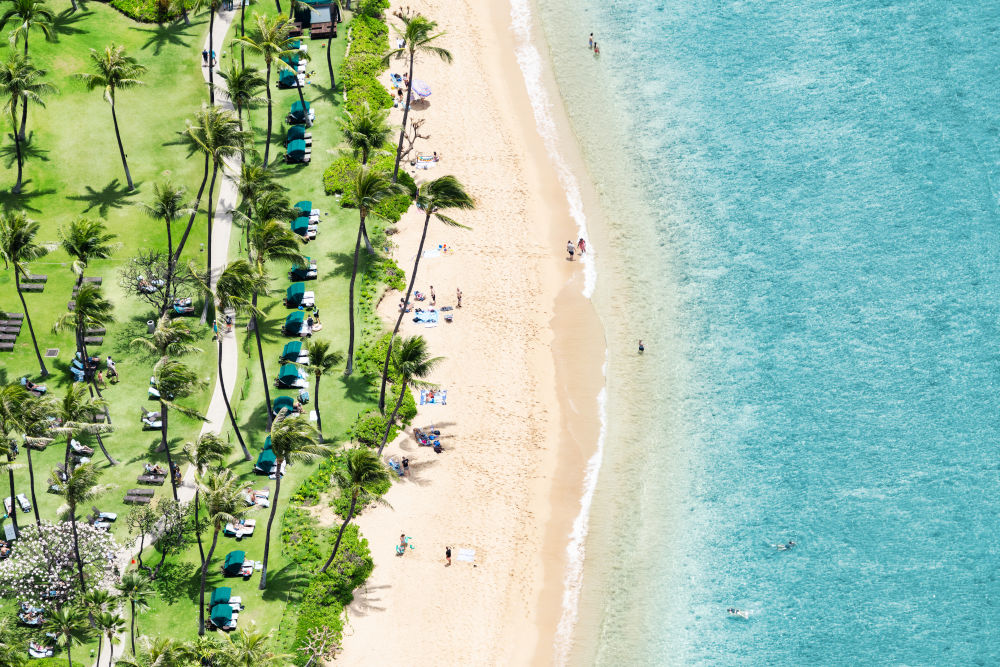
(9, 654)
(368, 189)
(365, 130)
(71, 626)
(108, 624)
(90, 310)
(293, 439)
(18, 248)
(215, 133)
(77, 412)
(361, 479)
(170, 338)
(35, 414)
(208, 449)
(13, 398)
(418, 33)
(168, 206)
(158, 651)
(322, 361)
(80, 486)
(441, 194)
(269, 37)
(243, 86)
(174, 380)
(141, 519)
(248, 647)
(412, 363)
(27, 15)
(114, 71)
(136, 589)
(225, 504)
(235, 289)
(86, 240)
(21, 82)
(269, 241)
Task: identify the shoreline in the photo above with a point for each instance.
(524, 357)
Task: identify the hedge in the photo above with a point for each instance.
(149, 11)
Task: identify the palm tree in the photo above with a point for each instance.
(71, 625)
(269, 37)
(86, 240)
(158, 652)
(212, 7)
(365, 130)
(108, 624)
(80, 486)
(13, 399)
(174, 380)
(21, 82)
(209, 448)
(136, 589)
(224, 500)
(269, 241)
(418, 31)
(243, 86)
(248, 647)
(238, 283)
(170, 337)
(412, 363)
(215, 133)
(293, 439)
(368, 189)
(168, 206)
(114, 71)
(17, 248)
(433, 198)
(27, 14)
(77, 411)
(10, 655)
(322, 361)
(360, 480)
(35, 414)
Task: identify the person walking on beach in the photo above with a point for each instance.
(433, 296)
(570, 248)
(590, 43)
(204, 58)
(406, 467)
(642, 348)
(447, 556)
(581, 245)
(458, 293)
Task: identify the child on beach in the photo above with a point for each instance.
(597, 50)
(447, 555)
(581, 245)
(570, 248)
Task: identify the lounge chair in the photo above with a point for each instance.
(156, 480)
(23, 501)
(39, 651)
(240, 530)
(131, 499)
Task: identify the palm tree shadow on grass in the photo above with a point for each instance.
(64, 23)
(113, 195)
(358, 388)
(286, 583)
(325, 94)
(11, 202)
(343, 264)
(29, 151)
(168, 34)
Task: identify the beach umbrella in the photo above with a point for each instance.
(421, 88)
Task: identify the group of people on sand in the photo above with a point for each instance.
(573, 248)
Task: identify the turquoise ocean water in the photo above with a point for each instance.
(801, 221)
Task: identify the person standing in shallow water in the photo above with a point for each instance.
(590, 42)
(642, 348)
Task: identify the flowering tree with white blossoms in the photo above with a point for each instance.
(42, 570)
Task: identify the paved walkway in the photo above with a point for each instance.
(221, 232)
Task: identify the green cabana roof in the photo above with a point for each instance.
(292, 60)
(296, 132)
(288, 373)
(221, 595)
(295, 319)
(297, 107)
(267, 443)
(304, 206)
(283, 402)
(292, 350)
(297, 147)
(234, 561)
(222, 614)
(295, 292)
(300, 225)
(286, 78)
(265, 460)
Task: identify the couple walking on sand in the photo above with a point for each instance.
(580, 246)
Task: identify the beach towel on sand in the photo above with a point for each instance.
(440, 397)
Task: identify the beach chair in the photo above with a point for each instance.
(23, 501)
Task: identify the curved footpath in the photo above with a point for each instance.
(216, 414)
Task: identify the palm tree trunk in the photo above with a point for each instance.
(211, 218)
(69, 652)
(131, 629)
(229, 408)
(142, 545)
(194, 212)
(319, 420)
(243, 33)
(402, 129)
(399, 320)
(267, 89)
(263, 369)
(31, 481)
(76, 547)
(204, 576)
(166, 447)
(350, 301)
(121, 148)
(277, 4)
(184, 13)
(368, 244)
(270, 520)
(168, 288)
(392, 419)
(18, 138)
(13, 494)
(197, 524)
(211, 59)
(329, 62)
(100, 443)
(302, 99)
(336, 545)
(41, 364)
(100, 644)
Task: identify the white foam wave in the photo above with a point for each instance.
(530, 61)
(576, 549)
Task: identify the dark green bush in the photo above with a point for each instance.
(149, 11)
(338, 175)
(372, 8)
(300, 539)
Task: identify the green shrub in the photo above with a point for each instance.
(316, 483)
(342, 503)
(338, 176)
(149, 11)
(300, 539)
(372, 8)
(368, 429)
(51, 662)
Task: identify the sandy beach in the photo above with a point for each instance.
(522, 370)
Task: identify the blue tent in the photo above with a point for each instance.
(291, 351)
(234, 562)
(265, 460)
(300, 225)
(288, 376)
(282, 402)
(293, 323)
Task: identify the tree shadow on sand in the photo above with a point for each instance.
(113, 195)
